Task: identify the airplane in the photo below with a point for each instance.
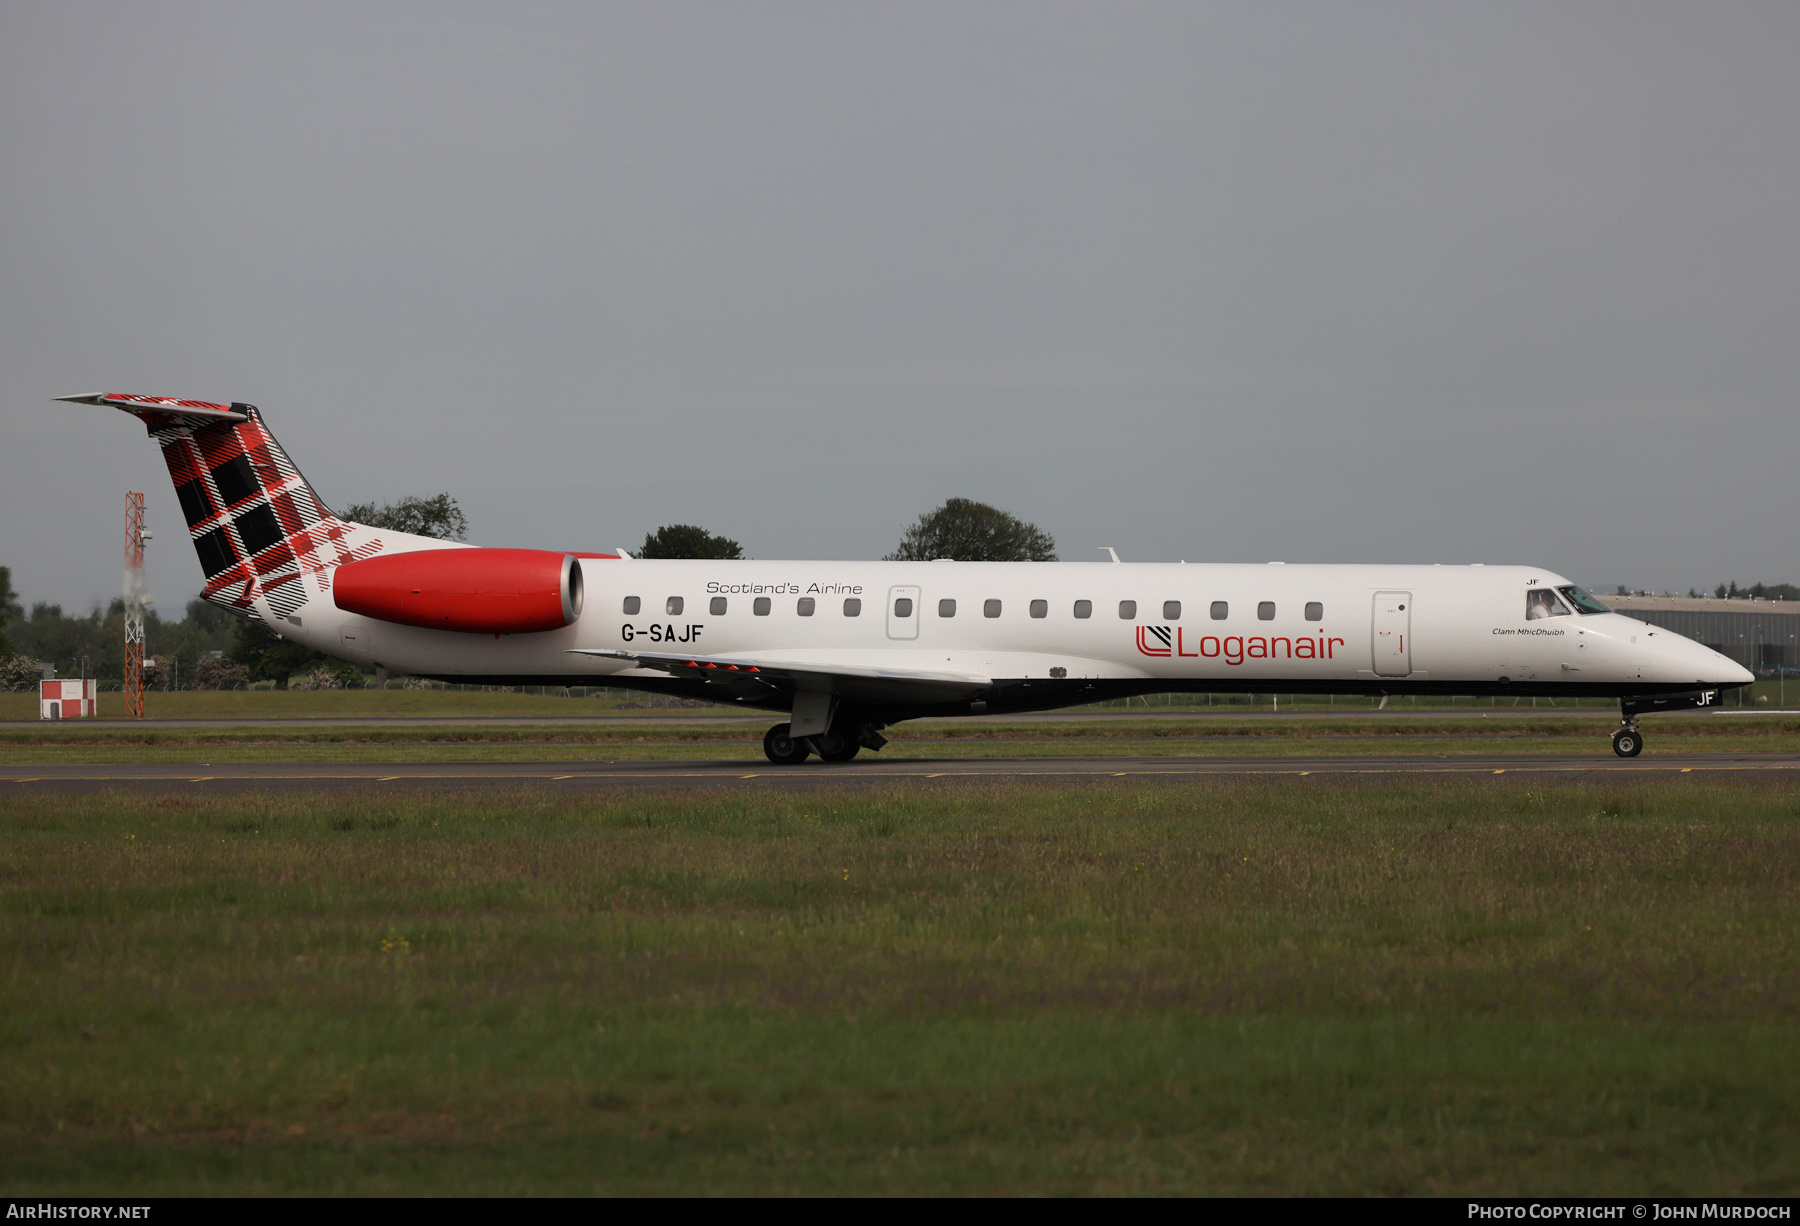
(847, 649)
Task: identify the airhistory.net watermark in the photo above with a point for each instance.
(49, 1211)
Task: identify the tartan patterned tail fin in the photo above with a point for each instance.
(259, 528)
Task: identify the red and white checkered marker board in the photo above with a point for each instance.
(68, 699)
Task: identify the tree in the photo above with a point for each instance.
(971, 531)
(218, 673)
(209, 618)
(334, 675)
(19, 674)
(688, 541)
(269, 657)
(92, 646)
(1765, 591)
(438, 517)
(9, 602)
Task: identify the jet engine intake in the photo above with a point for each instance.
(477, 591)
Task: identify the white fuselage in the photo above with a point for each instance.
(848, 647)
(1050, 634)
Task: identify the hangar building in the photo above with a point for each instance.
(1762, 635)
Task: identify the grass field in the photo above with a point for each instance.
(1231, 988)
(615, 741)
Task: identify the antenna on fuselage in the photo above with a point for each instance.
(1109, 549)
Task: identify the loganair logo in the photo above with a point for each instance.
(1234, 649)
(1155, 640)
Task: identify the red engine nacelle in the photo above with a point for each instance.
(480, 591)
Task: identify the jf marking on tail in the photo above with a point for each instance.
(846, 649)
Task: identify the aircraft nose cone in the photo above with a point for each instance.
(1675, 658)
(1712, 668)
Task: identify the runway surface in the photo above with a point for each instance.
(761, 719)
(603, 776)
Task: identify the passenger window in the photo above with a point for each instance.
(760, 606)
(1220, 610)
(852, 607)
(1265, 612)
(903, 607)
(718, 606)
(1040, 608)
(1171, 610)
(1315, 612)
(632, 605)
(1127, 610)
(804, 607)
(946, 608)
(1542, 602)
(1084, 608)
(673, 607)
(990, 608)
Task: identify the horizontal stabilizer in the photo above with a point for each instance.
(193, 410)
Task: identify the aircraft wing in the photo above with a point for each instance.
(751, 674)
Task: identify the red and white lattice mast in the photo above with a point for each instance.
(135, 536)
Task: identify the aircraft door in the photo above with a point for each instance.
(1393, 634)
(903, 613)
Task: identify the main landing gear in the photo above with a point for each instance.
(1628, 742)
(782, 749)
(838, 743)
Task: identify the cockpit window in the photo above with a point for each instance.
(1583, 602)
(1542, 602)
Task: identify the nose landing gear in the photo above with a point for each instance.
(1628, 742)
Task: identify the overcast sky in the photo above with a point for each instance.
(1310, 282)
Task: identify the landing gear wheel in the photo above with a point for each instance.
(782, 749)
(838, 744)
(1628, 742)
